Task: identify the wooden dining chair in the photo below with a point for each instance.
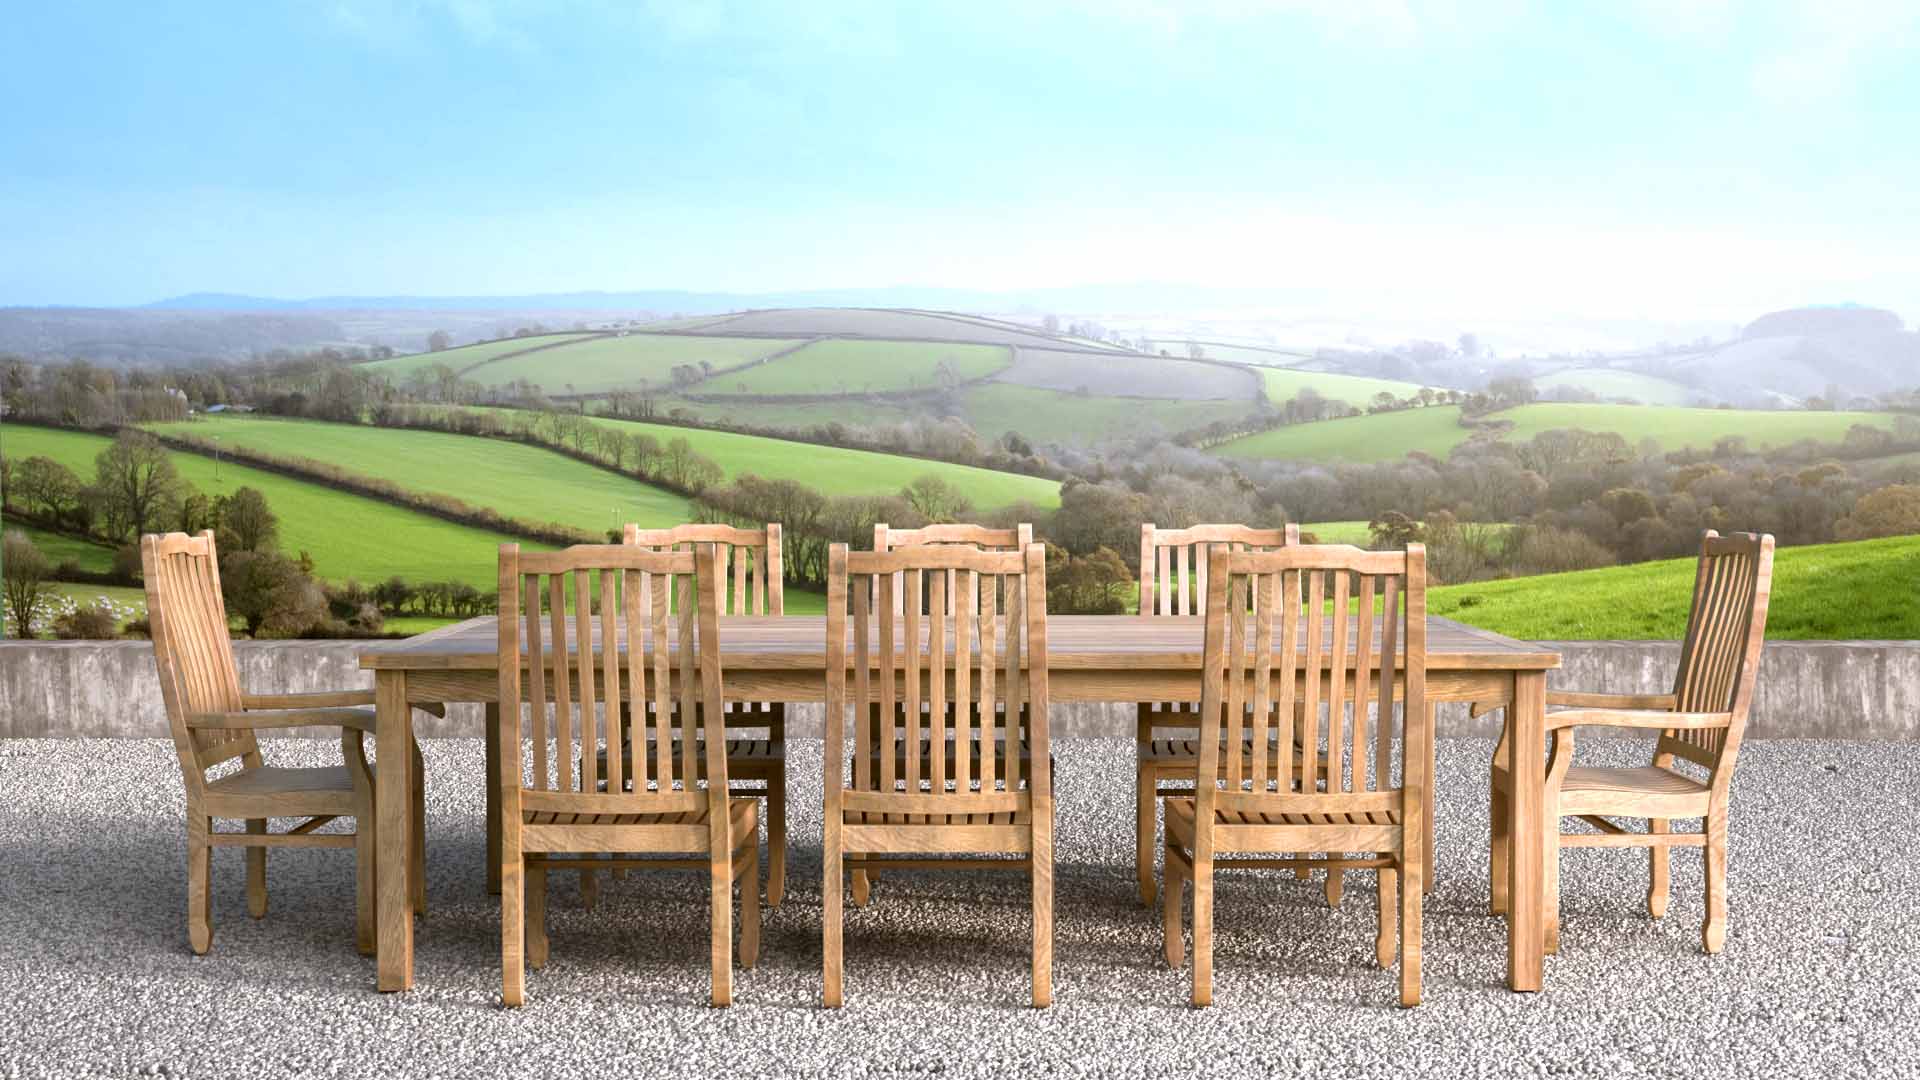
(1254, 811)
(557, 816)
(1173, 581)
(981, 537)
(215, 722)
(942, 776)
(756, 731)
(1699, 728)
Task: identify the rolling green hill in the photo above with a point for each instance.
(1378, 437)
(835, 471)
(598, 364)
(1857, 590)
(863, 367)
(1356, 390)
(1050, 416)
(513, 478)
(348, 536)
(60, 548)
(1436, 430)
(464, 357)
(1608, 383)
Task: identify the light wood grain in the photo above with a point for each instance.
(1333, 803)
(214, 722)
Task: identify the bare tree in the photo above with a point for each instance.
(22, 579)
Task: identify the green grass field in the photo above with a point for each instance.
(836, 471)
(857, 367)
(606, 363)
(513, 478)
(463, 357)
(1676, 428)
(59, 548)
(1857, 590)
(1047, 416)
(1436, 430)
(347, 535)
(1646, 389)
(1379, 437)
(1356, 390)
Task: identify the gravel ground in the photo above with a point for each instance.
(1815, 979)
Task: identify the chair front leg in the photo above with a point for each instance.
(513, 920)
(720, 871)
(1387, 881)
(1202, 930)
(257, 871)
(747, 873)
(417, 841)
(537, 944)
(1713, 935)
(777, 835)
(1145, 784)
(1172, 893)
(366, 849)
(1041, 866)
(199, 882)
(831, 915)
(1499, 850)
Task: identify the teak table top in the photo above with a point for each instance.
(1083, 642)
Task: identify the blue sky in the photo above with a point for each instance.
(1630, 158)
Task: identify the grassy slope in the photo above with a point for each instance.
(1857, 590)
(347, 535)
(607, 363)
(836, 471)
(1046, 416)
(1619, 384)
(1436, 430)
(1379, 437)
(854, 367)
(461, 358)
(515, 479)
(1357, 390)
(60, 548)
(1674, 428)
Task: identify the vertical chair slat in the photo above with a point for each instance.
(1015, 685)
(910, 631)
(989, 617)
(610, 689)
(1236, 680)
(691, 716)
(963, 613)
(537, 679)
(1262, 678)
(863, 704)
(659, 641)
(1364, 725)
(1161, 559)
(1390, 616)
(1314, 613)
(561, 673)
(1288, 613)
(1337, 689)
(888, 612)
(583, 634)
(937, 683)
(1180, 556)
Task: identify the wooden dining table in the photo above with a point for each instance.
(1090, 658)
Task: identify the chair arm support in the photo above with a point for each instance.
(342, 717)
(1649, 719)
(327, 699)
(1579, 700)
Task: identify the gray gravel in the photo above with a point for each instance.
(1816, 978)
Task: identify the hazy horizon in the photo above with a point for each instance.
(1699, 163)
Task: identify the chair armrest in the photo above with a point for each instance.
(342, 717)
(327, 699)
(1610, 701)
(1651, 719)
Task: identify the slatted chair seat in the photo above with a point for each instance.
(1180, 813)
(742, 812)
(1173, 581)
(1701, 721)
(573, 807)
(1187, 752)
(215, 723)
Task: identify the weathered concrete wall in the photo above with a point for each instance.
(1808, 689)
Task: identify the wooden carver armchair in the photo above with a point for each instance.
(214, 722)
(756, 732)
(1700, 726)
(938, 769)
(1173, 581)
(559, 817)
(1268, 809)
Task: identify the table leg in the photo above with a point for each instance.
(393, 802)
(493, 797)
(1526, 769)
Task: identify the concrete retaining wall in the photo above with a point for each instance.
(1808, 689)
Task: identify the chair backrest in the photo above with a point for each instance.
(941, 683)
(1271, 645)
(978, 536)
(758, 586)
(191, 649)
(1720, 656)
(628, 587)
(1173, 562)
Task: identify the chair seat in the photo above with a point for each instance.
(274, 780)
(1656, 791)
(744, 812)
(1180, 815)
